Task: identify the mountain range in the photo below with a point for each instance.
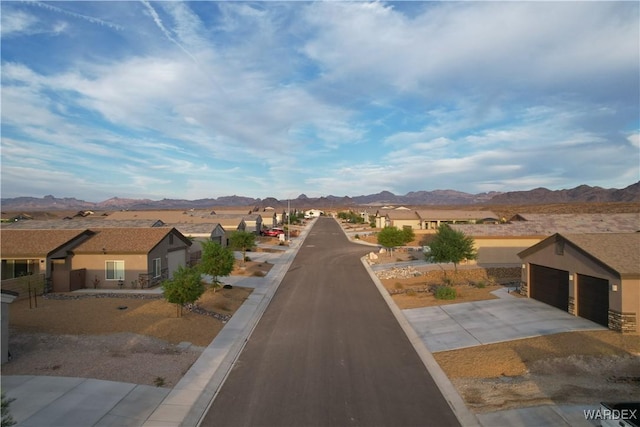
(582, 193)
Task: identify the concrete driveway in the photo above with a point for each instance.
(449, 327)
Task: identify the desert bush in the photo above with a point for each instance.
(411, 293)
(445, 292)
(398, 285)
(258, 273)
(357, 237)
(247, 259)
(159, 381)
(480, 285)
(7, 419)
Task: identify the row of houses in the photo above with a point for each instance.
(122, 249)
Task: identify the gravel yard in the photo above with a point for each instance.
(96, 337)
(568, 368)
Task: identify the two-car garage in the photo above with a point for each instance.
(595, 276)
(551, 286)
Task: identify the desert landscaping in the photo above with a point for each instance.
(120, 337)
(567, 368)
(141, 339)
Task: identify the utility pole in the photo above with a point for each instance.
(288, 220)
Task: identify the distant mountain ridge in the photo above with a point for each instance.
(582, 193)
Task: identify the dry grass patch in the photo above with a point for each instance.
(251, 268)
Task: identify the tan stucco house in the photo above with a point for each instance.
(103, 257)
(501, 243)
(116, 257)
(595, 276)
(42, 253)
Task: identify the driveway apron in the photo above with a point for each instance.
(328, 352)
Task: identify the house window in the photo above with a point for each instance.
(171, 239)
(114, 270)
(157, 267)
(560, 247)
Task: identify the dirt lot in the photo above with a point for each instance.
(120, 339)
(567, 368)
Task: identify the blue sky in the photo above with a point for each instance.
(206, 99)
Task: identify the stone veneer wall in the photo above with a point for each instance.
(622, 322)
(524, 289)
(572, 305)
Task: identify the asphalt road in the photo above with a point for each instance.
(328, 352)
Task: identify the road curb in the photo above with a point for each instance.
(451, 395)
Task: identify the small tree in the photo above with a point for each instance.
(408, 234)
(390, 237)
(449, 245)
(216, 261)
(242, 240)
(185, 287)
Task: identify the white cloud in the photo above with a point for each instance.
(16, 22)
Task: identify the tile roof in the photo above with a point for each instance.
(167, 216)
(80, 223)
(188, 228)
(619, 251)
(33, 243)
(548, 224)
(123, 240)
(402, 214)
(454, 215)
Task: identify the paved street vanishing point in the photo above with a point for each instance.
(329, 352)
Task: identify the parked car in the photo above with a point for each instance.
(274, 232)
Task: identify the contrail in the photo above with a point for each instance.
(78, 15)
(165, 31)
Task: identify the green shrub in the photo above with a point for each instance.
(445, 292)
(159, 381)
(7, 418)
(481, 285)
(398, 285)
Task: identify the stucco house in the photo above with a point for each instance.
(595, 276)
(431, 219)
(119, 256)
(43, 253)
(108, 257)
(398, 217)
(501, 243)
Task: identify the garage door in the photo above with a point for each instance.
(176, 259)
(593, 299)
(550, 285)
